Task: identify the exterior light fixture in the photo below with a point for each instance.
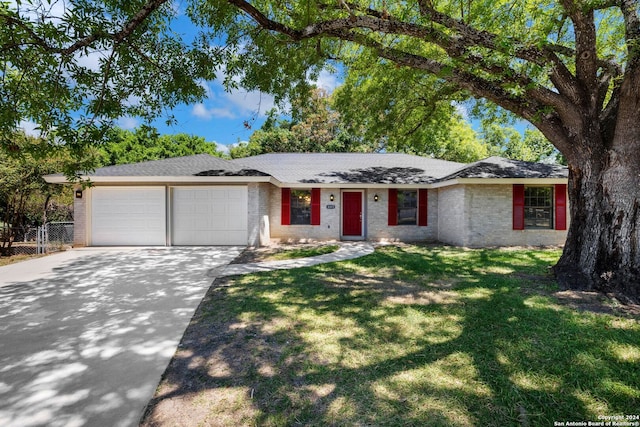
(331, 197)
(376, 198)
(78, 194)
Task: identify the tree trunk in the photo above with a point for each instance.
(602, 249)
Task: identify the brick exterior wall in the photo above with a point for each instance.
(375, 217)
(80, 218)
(258, 214)
(329, 228)
(378, 220)
(490, 220)
(481, 216)
(452, 212)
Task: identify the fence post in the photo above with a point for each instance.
(41, 240)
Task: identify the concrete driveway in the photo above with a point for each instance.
(85, 335)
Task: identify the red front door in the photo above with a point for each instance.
(352, 213)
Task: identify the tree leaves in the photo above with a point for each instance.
(74, 67)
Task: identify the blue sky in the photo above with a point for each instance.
(223, 116)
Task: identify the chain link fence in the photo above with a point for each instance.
(50, 237)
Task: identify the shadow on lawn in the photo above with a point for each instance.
(439, 337)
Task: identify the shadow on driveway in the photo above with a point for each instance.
(87, 344)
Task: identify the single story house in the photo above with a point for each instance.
(205, 200)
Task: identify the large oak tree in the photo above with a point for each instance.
(569, 67)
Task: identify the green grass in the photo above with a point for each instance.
(302, 253)
(411, 335)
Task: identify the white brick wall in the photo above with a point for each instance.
(258, 212)
(452, 211)
(482, 215)
(375, 217)
(80, 218)
(378, 220)
(329, 228)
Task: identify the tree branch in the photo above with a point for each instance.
(126, 31)
(632, 30)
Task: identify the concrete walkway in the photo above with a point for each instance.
(347, 251)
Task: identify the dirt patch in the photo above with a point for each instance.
(594, 302)
(267, 253)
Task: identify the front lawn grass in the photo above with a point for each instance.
(411, 336)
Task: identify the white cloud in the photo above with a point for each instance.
(233, 104)
(201, 111)
(128, 123)
(29, 128)
(461, 109)
(224, 148)
(50, 11)
(208, 93)
(89, 60)
(327, 81)
(252, 102)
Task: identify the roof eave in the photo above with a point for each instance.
(54, 179)
(487, 181)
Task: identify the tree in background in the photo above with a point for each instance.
(532, 146)
(398, 109)
(145, 143)
(384, 112)
(26, 199)
(314, 127)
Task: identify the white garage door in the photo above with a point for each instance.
(128, 216)
(209, 215)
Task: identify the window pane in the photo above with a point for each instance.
(300, 206)
(407, 207)
(538, 208)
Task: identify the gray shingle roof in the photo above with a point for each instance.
(336, 168)
(343, 168)
(498, 167)
(198, 165)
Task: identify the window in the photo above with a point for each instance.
(301, 207)
(538, 207)
(407, 207)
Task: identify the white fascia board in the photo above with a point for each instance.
(163, 179)
(306, 185)
(487, 181)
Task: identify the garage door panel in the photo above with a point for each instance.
(209, 216)
(128, 216)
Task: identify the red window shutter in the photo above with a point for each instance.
(560, 193)
(315, 206)
(393, 206)
(285, 212)
(518, 206)
(423, 198)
